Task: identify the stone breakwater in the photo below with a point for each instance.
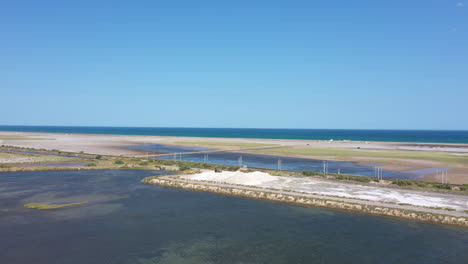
(357, 206)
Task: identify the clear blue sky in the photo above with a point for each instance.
(399, 64)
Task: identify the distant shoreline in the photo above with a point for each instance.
(370, 135)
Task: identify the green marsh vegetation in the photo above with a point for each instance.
(312, 173)
(44, 206)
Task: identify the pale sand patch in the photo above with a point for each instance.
(105, 144)
(21, 158)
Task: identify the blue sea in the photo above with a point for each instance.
(420, 136)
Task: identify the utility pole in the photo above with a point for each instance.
(325, 167)
(378, 173)
(445, 177)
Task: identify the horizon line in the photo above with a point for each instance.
(258, 128)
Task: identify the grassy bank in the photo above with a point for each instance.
(227, 144)
(348, 153)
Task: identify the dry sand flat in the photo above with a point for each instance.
(100, 142)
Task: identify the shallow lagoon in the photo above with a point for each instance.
(129, 222)
(266, 161)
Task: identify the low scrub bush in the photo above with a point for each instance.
(420, 184)
(167, 162)
(183, 166)
(400, 182)
(91, 164)
(353, 178)
(118, 162)
(144, 163)
(98, 157)
(442, 186)
(312, 173)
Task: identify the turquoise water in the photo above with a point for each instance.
(128, 222)
(428, 136)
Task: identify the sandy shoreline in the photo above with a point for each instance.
(138, 139)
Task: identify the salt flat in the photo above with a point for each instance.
(337, 189)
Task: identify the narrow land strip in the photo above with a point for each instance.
(424, 214)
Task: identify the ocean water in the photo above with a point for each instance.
(421, 136)
(127, 221)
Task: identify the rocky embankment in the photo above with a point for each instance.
(395, 210)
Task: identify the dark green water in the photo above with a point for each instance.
(130, 222)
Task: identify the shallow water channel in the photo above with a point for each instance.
(271, 161)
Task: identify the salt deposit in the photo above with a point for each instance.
(234, 177)
(340, 189)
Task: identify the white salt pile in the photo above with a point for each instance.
(234, 177)
(337, 189)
